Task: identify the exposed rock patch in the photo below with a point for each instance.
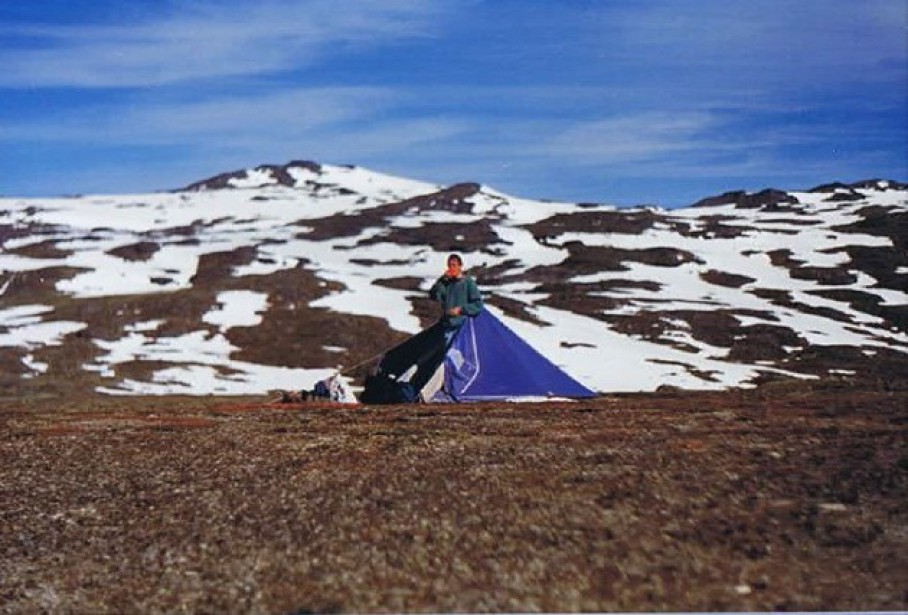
(767, 200)
(453, 199)
(442, 236)
(729, 280)
(624, 222)
(140, 251)
(43, 250)
(279, 173)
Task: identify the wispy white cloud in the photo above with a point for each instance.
(364, 125)
(348, 125)
(454, 90)
(764, 42)
(210, 41)
(631, 138)
(280, 114)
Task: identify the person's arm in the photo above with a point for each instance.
(474, 299)
(438, 290)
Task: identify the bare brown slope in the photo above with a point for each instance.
(783, 498)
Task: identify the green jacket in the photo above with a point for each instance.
(459, 292)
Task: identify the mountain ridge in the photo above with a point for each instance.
(272, 276)
(280, 174)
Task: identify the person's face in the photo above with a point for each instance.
(454, 265)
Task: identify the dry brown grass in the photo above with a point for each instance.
(782, 498)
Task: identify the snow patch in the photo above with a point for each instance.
(237, 308)
(25, 327)
(186, 226)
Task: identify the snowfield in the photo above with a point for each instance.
(772, 252)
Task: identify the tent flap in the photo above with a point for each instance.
(484, 361)
(487, 361)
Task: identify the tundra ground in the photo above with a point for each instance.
(784, 497)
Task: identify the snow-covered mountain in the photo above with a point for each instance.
(275, 277)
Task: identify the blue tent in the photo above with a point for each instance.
(485, 360)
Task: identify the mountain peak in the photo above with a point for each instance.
(856, 191)
(257, 177)
(773, 199)
(770, 198)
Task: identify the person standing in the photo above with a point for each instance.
(458, 295)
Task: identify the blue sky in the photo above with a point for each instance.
(618, 101)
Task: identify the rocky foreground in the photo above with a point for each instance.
(780, 498)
